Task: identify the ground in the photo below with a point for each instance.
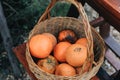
(20, 34)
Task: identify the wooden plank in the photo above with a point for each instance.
(115, 4)
(111, 15)
(97, 22)
(113, 59)
(20, 53)
(104, 30)
(113, 45)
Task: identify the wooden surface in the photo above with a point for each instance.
(20, 54)
(115, 4)
(115, 62)
(113, 45)
(109, 9)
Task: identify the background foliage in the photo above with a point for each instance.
(21, 16)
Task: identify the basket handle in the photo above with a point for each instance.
(46, 14)
(83, 15)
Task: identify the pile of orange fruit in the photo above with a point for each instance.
(62, 55)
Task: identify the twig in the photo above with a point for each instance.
(10, 7)
(10, 15)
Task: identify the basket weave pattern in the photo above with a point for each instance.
(81, 28)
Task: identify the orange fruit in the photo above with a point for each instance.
(40, 46)
(67, 35)
(65, 69)
(82, 41)
(59, 51)
(48, 64)
(51, 37)
(76, 55)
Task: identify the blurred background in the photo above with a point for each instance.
(21, 16)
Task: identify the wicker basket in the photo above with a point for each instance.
(82, 28)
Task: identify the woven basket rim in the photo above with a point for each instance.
(101, 59)
(87, 32)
